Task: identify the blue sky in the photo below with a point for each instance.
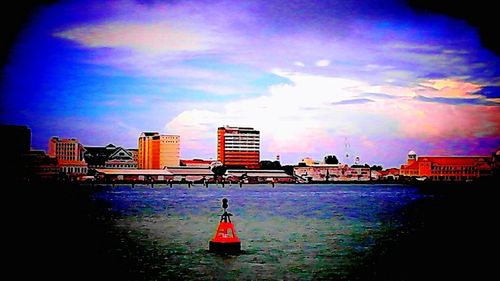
(311, 76)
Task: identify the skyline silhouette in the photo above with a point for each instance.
(382, 76)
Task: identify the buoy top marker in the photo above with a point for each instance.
(226, 217)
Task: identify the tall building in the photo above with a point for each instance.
(169, 151)
(16, 141)
(158, 151)
(148, 150)
(69, 155)
(16, 138)
(238, 147)
(447, 168)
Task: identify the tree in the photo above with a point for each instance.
(270, 165)
(377, 168)
(288, 169)
(331, 159)
(219, 171)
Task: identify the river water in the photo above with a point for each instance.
(289, 232)
(442, 231)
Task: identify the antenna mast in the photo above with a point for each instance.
(347, 147)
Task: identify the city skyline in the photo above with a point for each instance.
(313, 78)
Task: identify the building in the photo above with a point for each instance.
(389, 174)
(331, 172)
(158, 151)
(17, 142)
(495, 159)
(148, 151)
(109, 157)
(238, 147)
(22, 162)
(169, 150)
(133, 175)
(40, 166)
(308, 161)
(258, 176)
(196, 163)
(66, 149)
(135, 154)
(446, 168)
(170, 174)
(191, 174)
(69, 154)
(17, 139)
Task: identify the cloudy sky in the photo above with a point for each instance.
(373, 79)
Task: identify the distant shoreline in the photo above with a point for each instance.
(491, 182)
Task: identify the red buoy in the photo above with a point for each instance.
(225, 239)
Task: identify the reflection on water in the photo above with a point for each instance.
(288, 232)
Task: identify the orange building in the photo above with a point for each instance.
(238, 147)
(446, 168)
(158, 151)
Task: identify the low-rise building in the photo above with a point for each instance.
(196, 163)
(331, 172)
(110, 157)
(73, 168)
(133, 175)
(39, 166)
(191, 173)
(446, 168)
(175, 174)
(389, 174)
(257, 176)
(69, 154)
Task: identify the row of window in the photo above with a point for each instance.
(243, 141)
(71, 157)
(468, 168)
(453, 178)
(240, 137)
(251, 135)
(121, 166)
(78, 170)
(453, 172)
(235, 154)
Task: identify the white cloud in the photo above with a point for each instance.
(152, 38)
(322, 63)
(290, 117)
(299, 118)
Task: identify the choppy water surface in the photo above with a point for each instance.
(288, 232)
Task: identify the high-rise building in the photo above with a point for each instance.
(148, 150)
(17, 143)
(158, 151)
(17, 139)
(169, 150)
(238, 147)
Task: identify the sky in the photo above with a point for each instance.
(373, 79)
